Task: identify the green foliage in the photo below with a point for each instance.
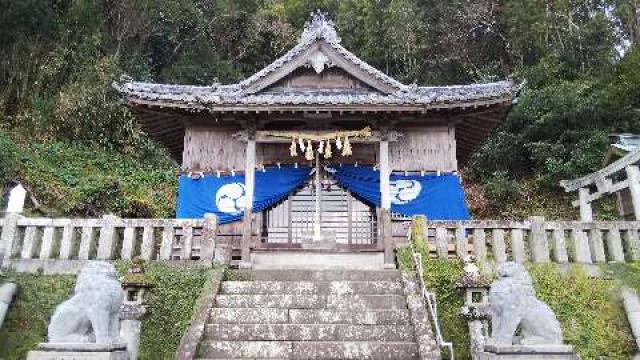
(9, 159)
(58, 60)
(28, 317)
(175, 293)
(628, 274)
(592, 319)
(81, 180)
(500, 188)
(176, 290)
(88, 108)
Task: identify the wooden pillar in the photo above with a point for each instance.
(249, 182)
(317, 218)
(586, 214)
(385, 205)
(633, 177)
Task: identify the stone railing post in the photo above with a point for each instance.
(539, 244)
(208, 243)
(586, 213)
(387, 239)
(106, 242)
(9, 234)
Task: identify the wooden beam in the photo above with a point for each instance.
(263, 137)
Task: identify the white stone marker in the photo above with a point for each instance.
(16, 199)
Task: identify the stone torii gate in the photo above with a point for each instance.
(622, 177)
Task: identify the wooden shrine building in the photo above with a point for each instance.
(318, 95)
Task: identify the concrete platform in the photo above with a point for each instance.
(528, 352)
(316, 260)
(79, 351)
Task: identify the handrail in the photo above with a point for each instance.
(429, 298)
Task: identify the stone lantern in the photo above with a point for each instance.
(136, 287)
(476, 307)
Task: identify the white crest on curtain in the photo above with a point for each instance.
(404, 191)
(231, 198)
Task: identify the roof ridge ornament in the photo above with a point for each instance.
(320, 26)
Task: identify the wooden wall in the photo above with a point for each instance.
(212, 149)
(429, 148)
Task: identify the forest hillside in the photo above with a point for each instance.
(65, 134)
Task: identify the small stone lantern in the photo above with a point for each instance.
(476, 307)
(136, 287)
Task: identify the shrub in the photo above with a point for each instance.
(82, 180)
(9, 159)
(501, 189)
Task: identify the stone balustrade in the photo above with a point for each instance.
(62, 245)
(535, 240)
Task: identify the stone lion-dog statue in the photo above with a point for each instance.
(92, 314)
(514, 307)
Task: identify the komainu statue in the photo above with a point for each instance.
(92, 314)
(514, 306)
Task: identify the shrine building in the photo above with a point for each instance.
(319, 151)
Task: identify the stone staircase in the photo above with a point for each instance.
(301, 314)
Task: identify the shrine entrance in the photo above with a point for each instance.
(320, 207)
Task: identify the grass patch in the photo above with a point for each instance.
(26, 323)
(176, 291)
(591, 314)
(627, 274)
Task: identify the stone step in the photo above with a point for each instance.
(301, 316)
(338, 302)
(312, 287)
(312, 275)
(245, 349)
(371, 350)
(380, 317)
(308, 332)
(248, 316)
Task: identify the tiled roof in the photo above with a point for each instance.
(319, 28)
(227, 95)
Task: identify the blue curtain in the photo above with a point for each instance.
(437, 197)
(225, 196)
